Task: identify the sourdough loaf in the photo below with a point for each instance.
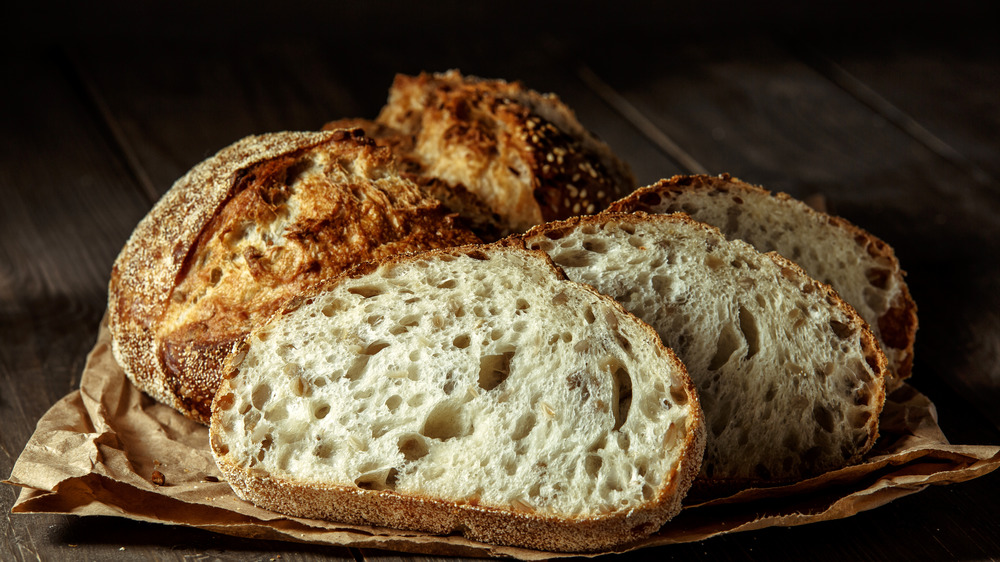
(860, 267)
(471, 390)
(243, 231)
(790, 377)
(495, 146)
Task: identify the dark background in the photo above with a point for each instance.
(888, 110)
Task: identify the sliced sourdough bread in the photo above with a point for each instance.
(790, 378)
(521, 155)
(244, 231)
(471, 391)
(860, 267)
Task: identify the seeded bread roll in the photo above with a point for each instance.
(242, 232)
(790, 377)
(471, 391)
(860, 267)
(521, 154)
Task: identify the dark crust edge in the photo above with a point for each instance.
(875, 358)
(898, 325)
(490, 525)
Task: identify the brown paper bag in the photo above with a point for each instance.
(95, 452)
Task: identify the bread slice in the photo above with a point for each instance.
(860, 267)
(789, 376)
(523, 154)
(471, 391)
(241, 233)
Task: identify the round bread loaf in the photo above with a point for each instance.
(242, 232)
(501, 154)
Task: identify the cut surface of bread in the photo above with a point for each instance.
(473, 391)
(524, 155)
(790, 378)
(860, 267)
(241, 233)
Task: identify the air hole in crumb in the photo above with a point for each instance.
(321, 412)
(261, 394)
(448, 284)
(843, 331)
(574, 258)
(412, 446)
(726, 345)
(332, 308)
(714, 262)
(226, 402)
(621, 392)
(560, 298)
(378, 480)
(357, 367)
(216, 276)
(366, 291)
(589, 316)
(661, 284)
(823, 417)
(679, 395)
(375, 347)
(462, 341)
(860, 418)
(596, 245)
(748, 326)
(445, 422)
(299, 386)
(592, 464)
(522, 304)
(393, 402)
(494, 369)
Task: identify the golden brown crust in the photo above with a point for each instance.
(897, 326)
(242, 232)
(513, 526)
(523, 154)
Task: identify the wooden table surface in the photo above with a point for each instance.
(892, 118)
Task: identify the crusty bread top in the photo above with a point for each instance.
(524, 154)
(470, 390)
(243, 231)
(790, 377)
(860, 267)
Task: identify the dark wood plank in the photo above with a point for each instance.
(179, 103)
(938, 83)
(68, 207)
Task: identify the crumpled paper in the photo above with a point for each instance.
(95, 452)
